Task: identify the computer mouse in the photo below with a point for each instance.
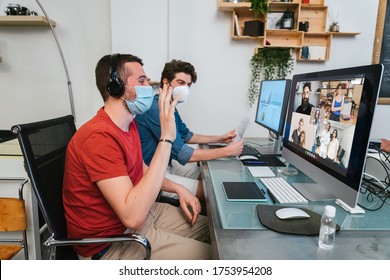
(246, 157)
(291, 213)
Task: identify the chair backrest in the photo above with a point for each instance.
(43, 145)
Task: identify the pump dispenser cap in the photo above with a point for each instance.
(330, 211)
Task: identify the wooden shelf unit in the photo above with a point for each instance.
(314, 12)
(281, 38)
(25, 21)
(312, 39)
(285, 6)
(243, 15)
(316, 16)
(344, 33)
(313, 3)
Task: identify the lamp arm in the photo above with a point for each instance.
(62, 58)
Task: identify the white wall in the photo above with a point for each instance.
(32, 78)
(198, 32)
(33, 82)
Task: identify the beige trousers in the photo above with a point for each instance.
(189, 170)
(170, 235)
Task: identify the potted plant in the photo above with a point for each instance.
(259, 7)
(268, 64)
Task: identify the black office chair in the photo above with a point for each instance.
(43, 145)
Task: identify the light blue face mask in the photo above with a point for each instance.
(142, 101)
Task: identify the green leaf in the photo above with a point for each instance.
(259, 7)
(268, 64)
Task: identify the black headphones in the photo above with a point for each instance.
(115, 86)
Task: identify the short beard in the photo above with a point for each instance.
(125, 105)
(305, 102)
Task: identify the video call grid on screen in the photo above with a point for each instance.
(322, 138)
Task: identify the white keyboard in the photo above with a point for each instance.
(282, 191)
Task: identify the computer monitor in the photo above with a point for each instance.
(327, 135)
(271, 111)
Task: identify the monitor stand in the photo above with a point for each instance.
(314, 192)
(353, 210)
(273, 150)
(288, 170)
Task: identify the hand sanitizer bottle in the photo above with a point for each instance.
(328, 228)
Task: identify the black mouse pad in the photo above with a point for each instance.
(309, 226)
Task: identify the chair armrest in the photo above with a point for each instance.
(134, 237)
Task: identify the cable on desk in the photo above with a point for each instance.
(384, 160)
(372, 191)
(384, 157)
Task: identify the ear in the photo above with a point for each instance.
(165, 80)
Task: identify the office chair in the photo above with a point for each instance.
(43, 146)
(13, 219)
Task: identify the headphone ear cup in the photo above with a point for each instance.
(115, 87)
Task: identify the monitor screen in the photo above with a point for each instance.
(271, 111)
(272, 105)
(328, 128)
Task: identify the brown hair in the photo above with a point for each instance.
(102, 71)
(177, 66)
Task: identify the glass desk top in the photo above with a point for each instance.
(243, 215)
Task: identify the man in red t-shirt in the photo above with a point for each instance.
(108, 189)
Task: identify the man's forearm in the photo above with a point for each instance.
(208, 154)
(204, 139)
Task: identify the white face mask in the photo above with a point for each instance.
(183, 92)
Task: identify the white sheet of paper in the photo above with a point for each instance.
(241, 128)
(261, 171)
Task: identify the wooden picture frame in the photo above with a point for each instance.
(376, 53)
